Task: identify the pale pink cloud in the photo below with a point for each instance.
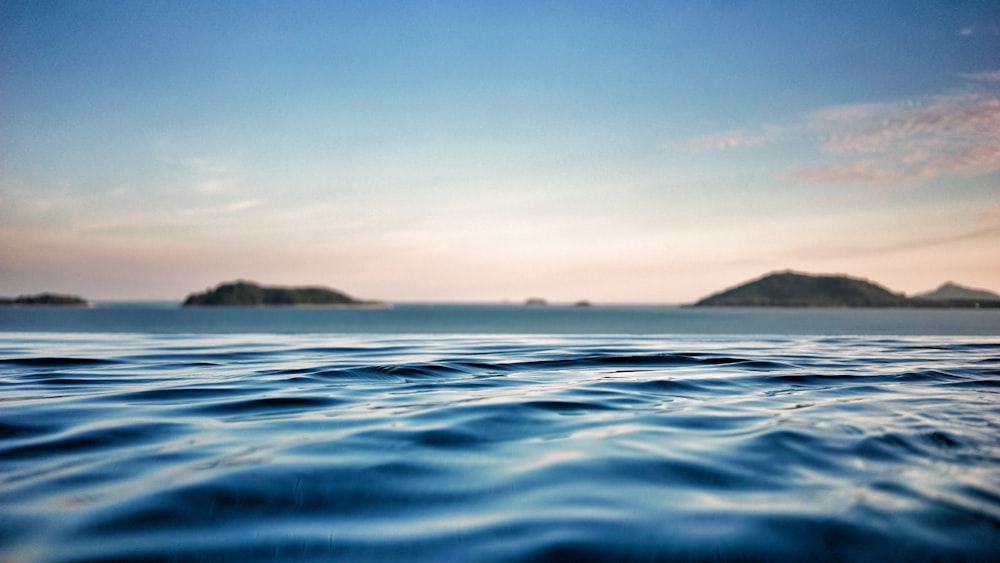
(852, 114)
(991, 214)
(889, 143)
(949, 136)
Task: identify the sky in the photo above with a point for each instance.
(620, 152)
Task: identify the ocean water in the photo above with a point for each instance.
(500, 319)
(159, 434)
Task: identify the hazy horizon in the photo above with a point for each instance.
(477, 152)
(504, 300)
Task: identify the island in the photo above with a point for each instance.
(45, 300)
(951, 291)
(243, 293)
(796, 289)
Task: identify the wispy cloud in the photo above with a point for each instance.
(991, 214)
(985, 76)
(227, 209)
(189, 223)
(980, 29)
(949, 136)
(197, 169)
(841, 251)
(734, 138)
(840, 117)
(889, 143)
(214, 185)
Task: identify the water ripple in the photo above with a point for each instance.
(526, 448)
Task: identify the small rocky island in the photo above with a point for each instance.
(249, 294)
(45, 300)
(794, 289)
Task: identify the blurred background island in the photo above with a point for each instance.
(249, 294)
(795, 289)
(45, 299)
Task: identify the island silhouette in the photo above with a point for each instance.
(950, 290)
(45, 300)
(244, 293)
(796, 289)
(785, 288)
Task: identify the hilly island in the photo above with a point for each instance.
(249, 294)
(795, 289)
(777, 289)
(45, 300)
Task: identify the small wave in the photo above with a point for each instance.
(672, 386)
(886, 447)
(56, 362)
(975, 383)
(16, 430)
(180, 394)
(91, 441)
(446, 438)
(268, 405)
(565, 406)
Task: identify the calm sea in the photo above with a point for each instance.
(499, 433)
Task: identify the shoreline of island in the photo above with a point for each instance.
(780, 289)
(791, 289)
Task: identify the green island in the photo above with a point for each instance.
(795, 289)
(249, 294)
(45, 300)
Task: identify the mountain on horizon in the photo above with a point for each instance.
(794, 289)
(249, 294)
(952, 291)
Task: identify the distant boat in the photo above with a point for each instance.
(536, 301)
(582, 303)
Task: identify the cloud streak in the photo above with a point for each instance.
(949, 137)
(986, 76)
(227, 209)
(813, 251)
(894, 143)
(734, 138)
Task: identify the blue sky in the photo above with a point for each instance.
(472, 151)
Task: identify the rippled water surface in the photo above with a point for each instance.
(498, 448)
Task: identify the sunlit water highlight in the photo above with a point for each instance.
(498, 448)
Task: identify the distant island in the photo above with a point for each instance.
(249, 294)
(950, 291)
(795, 289)
(45, 300)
